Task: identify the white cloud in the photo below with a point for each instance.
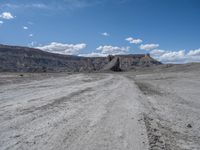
(1, 22)
(103, 51)
(31, 35)
(134, 41)
(173, 56)
(112, 50)
(69, 49)
(194, 52)
(149, 46)
(6, 15)
(93, 54)
(105, 34)
(25, 28)
(157, 52)
(181, 56)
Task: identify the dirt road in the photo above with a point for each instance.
(100, 112)
(75, 112)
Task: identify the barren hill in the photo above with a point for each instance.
(24, 59)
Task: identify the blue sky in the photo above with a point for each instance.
(168, 29)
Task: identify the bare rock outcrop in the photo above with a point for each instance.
(24, 59)
(113, 65)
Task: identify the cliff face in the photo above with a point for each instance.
(23, 59)
(131, 61)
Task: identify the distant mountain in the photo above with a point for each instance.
(24, 59)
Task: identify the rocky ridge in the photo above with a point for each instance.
(24, 59)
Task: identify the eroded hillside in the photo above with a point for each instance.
(24, 59)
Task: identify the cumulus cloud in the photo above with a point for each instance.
(133, 40)
(105, 34)
(180, 56)
(149, 46)
(6, 15)
(194, 52)
(113, 50)
(60, 48)
(1, 22)
(173, 56)
(103, 51)
(25, 28)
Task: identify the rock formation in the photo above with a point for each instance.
(113, 65)
(23, 59)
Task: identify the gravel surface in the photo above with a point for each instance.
(100, 111)
(97, 111)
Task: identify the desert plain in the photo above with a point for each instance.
(146, 109)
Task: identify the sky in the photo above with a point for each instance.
(167, 29)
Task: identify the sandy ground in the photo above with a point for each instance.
(101, 111)
(173, 100)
